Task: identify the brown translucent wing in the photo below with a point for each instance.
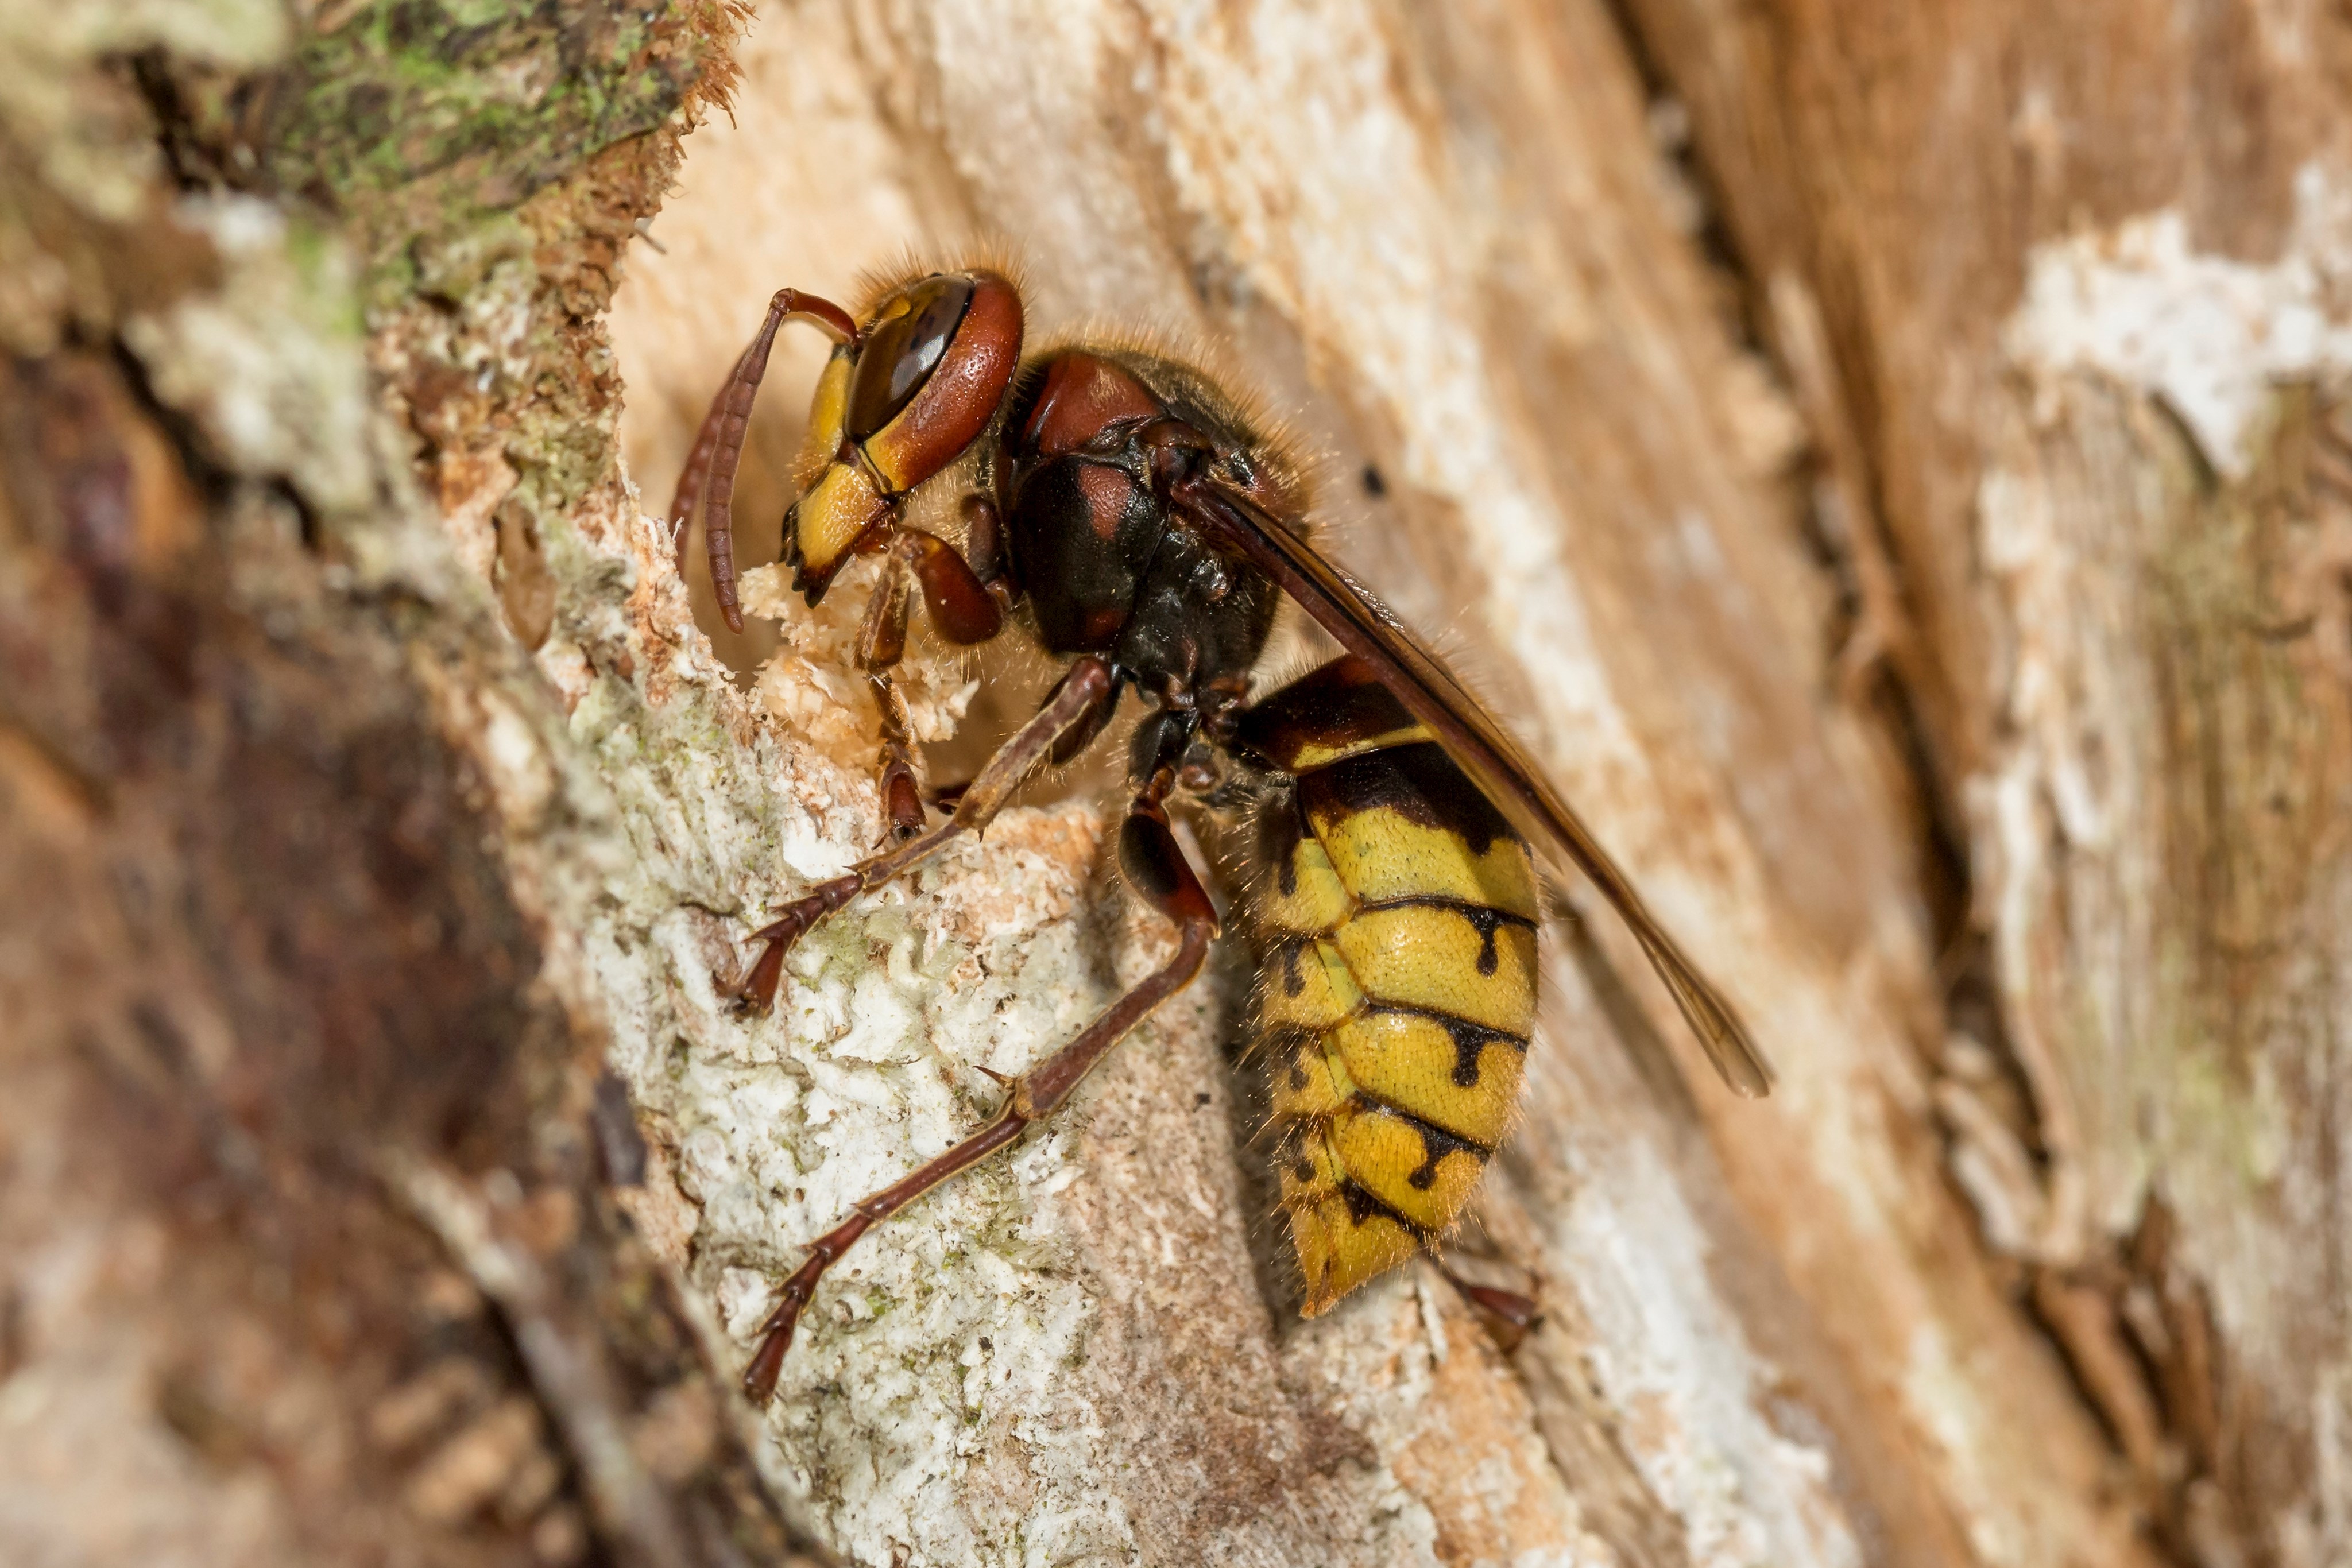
(1476, 742)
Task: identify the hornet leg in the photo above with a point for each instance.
(1509, 1316)
(1077, 708)
(881, 643)
(1156, 868)
(962, 611)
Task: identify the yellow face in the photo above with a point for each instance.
(922, 380)
(833, 516)
(841, 502)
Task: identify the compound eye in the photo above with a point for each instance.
(904, 347)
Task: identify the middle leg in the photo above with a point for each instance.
(1078, 707)
(1156, 868)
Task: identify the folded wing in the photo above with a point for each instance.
(1476, 742)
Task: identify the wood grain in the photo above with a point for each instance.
(1450, 243)
(2112, 613)
(1890, 463)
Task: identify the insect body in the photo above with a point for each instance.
(1397, 917)
(1140, 525)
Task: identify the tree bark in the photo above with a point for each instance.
(314, 1234)
(1879, 458)
(2079, 280)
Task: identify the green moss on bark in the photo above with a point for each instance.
(422, 118)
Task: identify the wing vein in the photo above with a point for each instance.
(1477, 743)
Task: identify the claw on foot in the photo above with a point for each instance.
(756, 991)
(776, 1333)
(903, 801)
(775, 1339)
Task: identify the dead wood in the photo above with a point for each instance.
(1888, 461)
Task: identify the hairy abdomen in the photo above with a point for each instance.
(1397, 991)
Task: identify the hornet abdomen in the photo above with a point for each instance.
(1397, 990)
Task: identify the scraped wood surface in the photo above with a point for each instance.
(1891, 462)
(1453, 248)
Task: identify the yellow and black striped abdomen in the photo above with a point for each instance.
(1394, 1003)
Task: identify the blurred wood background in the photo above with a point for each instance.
(1893, 462)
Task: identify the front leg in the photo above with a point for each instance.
(881, 644)
(962, 609)
(1077, 706)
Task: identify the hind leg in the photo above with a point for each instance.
(1156, 868)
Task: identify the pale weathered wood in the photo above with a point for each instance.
(1922, 556)
(312, 1233)
(1447, 243)
(2082, 275)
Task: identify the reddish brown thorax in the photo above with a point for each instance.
(1083, 397)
